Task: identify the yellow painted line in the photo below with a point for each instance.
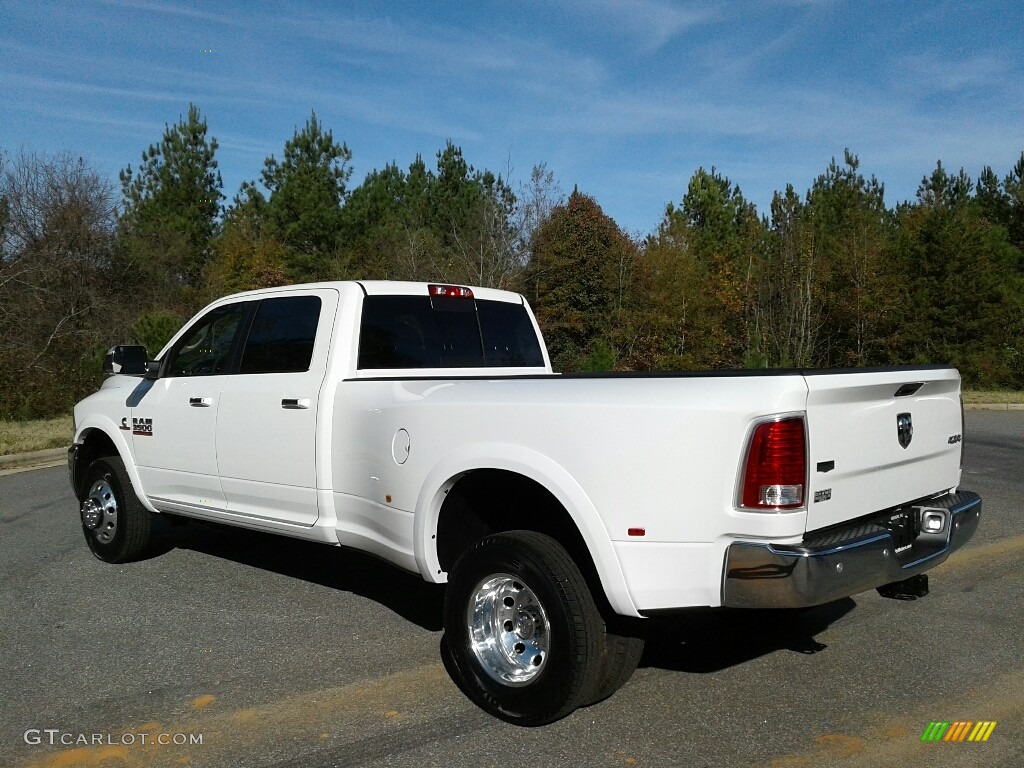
(32, 467)
(984, 553)
(896, 737)
(202, 702)
(305, 721)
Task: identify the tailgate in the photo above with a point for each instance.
(861, 460)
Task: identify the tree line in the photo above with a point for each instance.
(830, 278)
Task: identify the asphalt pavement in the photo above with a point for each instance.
(273, 652)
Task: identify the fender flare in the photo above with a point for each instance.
(101, 423)
(543, 471)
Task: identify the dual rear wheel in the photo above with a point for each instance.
(524, 638)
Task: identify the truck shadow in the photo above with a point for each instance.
(696, 640)
(711, 639)
(346, 570)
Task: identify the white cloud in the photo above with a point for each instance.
(451, 51)
(928, 72)
(68, 87)
(650, 23)
(174, 9)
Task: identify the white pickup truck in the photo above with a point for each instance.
(423, 423)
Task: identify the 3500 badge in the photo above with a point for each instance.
(138, 427)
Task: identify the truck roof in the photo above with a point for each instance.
(388, 288)
(408, 288)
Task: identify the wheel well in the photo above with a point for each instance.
(487, 501)
(97, 444)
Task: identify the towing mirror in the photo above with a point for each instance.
(128, 360)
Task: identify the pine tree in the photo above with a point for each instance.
(961, 303)
(307, 191)
(172, 202)
(850, 226)
(1013, 186)
(723, 238)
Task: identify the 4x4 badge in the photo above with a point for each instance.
(904, 428)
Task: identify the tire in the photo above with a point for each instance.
(523, 637)
(619, 659)
(117, 528)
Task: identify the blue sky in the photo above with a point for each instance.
(624, 98)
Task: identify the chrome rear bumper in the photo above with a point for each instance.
(841, 562)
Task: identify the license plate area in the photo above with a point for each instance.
(904, 527)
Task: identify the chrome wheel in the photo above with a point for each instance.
(508, 630)
(523, 637)
(99, 512)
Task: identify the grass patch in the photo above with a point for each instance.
(38, 435)
(994, 397)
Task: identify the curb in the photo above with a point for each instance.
(33, 459)
(994, 406)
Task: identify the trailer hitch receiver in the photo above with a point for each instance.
(907, 589)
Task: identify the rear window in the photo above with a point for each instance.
(282, 335)
(420, 332)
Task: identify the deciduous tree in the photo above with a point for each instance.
(58, 293)
(579, 281)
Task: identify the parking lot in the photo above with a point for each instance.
(272, 652)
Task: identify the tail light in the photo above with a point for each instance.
(963, 431)
(775, 468)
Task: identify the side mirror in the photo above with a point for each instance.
(130, 361)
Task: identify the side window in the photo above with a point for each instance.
(282, 335)
(206, 347)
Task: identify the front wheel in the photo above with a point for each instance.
(117, 527)
(523, 637)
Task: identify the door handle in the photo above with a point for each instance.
(200, 402)
(295, 403)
